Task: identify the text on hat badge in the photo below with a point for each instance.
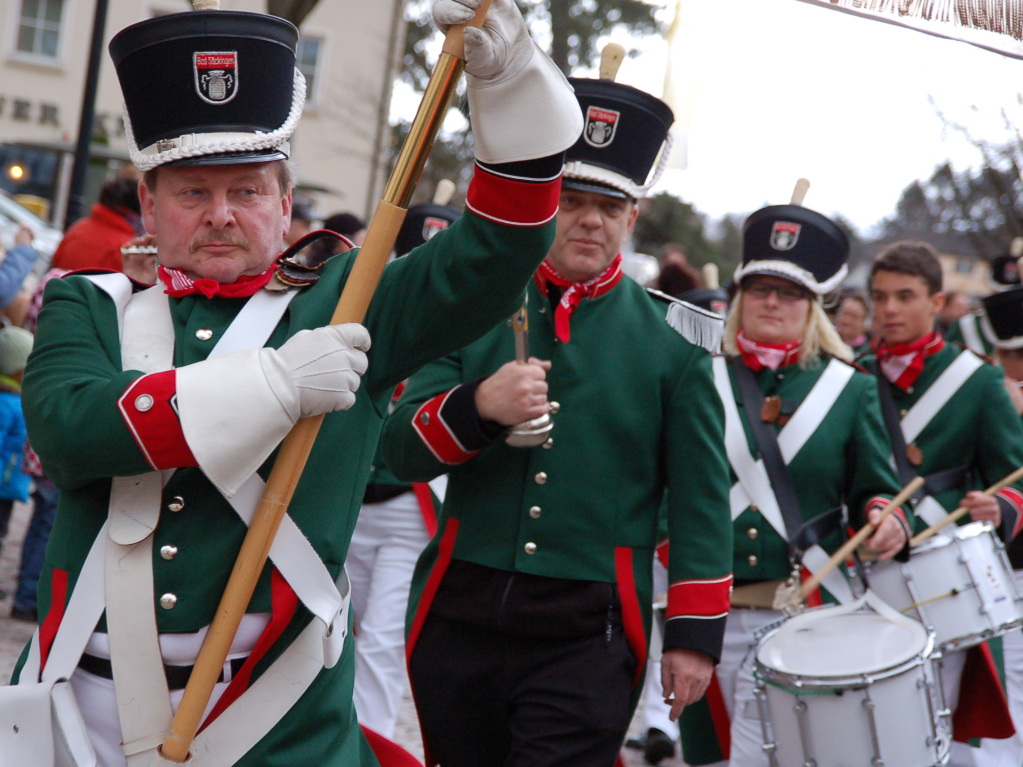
(600, 126)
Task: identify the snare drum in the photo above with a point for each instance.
(844, 686)
(960, 587)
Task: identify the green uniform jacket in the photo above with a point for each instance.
(845, 461)
(636, 414)
(437, 299)
(977, 428)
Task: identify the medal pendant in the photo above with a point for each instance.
(771, 408)
(914, 455)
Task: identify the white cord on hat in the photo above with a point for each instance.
(146, 159)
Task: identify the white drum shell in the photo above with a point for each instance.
(962, 587)
(841, 689)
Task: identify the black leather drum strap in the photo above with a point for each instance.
(893, 424)
(767, 442)
(937, 482)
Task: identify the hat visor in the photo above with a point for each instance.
(585, 185)
(768, 272)
(228, 158)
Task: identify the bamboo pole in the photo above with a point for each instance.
(295, 449)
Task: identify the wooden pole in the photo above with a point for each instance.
(294, 452)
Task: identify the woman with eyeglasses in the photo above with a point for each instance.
(804, 435)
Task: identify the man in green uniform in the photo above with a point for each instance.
(157, 412)
(947, 413)
(530, 607)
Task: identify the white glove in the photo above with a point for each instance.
(236, 409)
(317, 371)
(495, 53)
(520, 104)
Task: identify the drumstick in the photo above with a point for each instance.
(962, 510)
(790, 597)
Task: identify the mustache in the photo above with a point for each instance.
(214, 237)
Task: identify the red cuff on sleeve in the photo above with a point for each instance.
(437, 435)
(512, 202)
(882, 503)
(1015, 499)
(147, 407)
(699, 598)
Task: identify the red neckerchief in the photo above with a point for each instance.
(572, 293)
(758, 356)
(903, 363)
(180, 284)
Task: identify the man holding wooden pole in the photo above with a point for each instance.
(158, 412)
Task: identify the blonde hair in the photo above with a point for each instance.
(820, 336)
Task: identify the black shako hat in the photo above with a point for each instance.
(208, 88)
(624, 133)
(796, 243)
(1002, 319)
(421, 223)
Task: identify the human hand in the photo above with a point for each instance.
(685, 677)
(318, 371)
(516, 393)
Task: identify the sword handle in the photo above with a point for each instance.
(520, 327)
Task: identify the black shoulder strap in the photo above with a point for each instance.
(767, 442)
(893, 425)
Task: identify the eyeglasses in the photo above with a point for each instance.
(787, 294)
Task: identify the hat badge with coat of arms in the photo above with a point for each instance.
(601, 125)
(216, 75)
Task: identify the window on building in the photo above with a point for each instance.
(39, 27)
(310, 51)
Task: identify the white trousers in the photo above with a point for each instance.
(387, 541)
(1008, 752)
(95, 694)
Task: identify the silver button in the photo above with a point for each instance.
(555, 408)
(204, 334)
(752, 533)
(549, 443)
(424, 419)
(143, 402)
(753, 561)
(902, 414)
(753, 507)
(540, 478)
(535, 512)
(909, 390)
(177, 503)
(167, 601)
(168, 552)
(530, 548)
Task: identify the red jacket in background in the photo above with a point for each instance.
(94, 242)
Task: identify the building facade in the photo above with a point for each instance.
(350, 53)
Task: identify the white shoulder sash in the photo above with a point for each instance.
(939, 393)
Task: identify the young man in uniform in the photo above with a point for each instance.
(946, 411)
(1003, 315)
(167, 405)
(530, 607)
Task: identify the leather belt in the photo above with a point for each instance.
(177, 676)
(759, 594)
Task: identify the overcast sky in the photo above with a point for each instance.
(778, 89)
(782, 89)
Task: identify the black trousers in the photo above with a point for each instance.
(490, 698)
